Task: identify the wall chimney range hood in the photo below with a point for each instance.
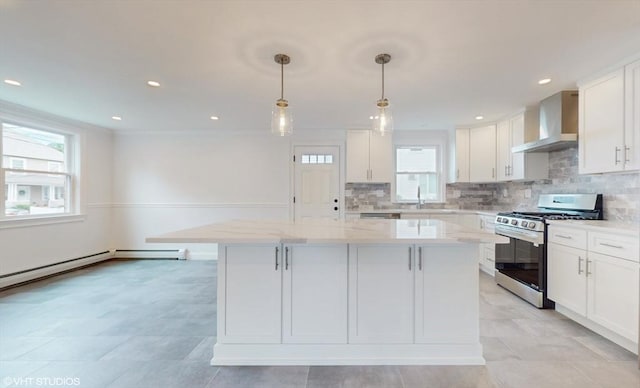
(558, 124)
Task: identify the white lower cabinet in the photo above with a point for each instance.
(410, 301)
(251, 288)
(314, 294)
(298, 293)
(566, 277)
(600, 287)
(443, 316)
(380, 294)
(612, 294)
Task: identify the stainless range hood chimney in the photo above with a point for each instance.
(558, 124)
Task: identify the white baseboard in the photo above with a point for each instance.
(179, 254)
(26, 276)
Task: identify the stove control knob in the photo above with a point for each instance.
(505, 221)
(514, 222)
(532, 225)
(499, 219)
(524, 224)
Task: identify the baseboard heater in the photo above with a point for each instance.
(16, 278)
(179, 254)
(20, 277)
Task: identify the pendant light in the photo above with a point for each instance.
(382, 120)
(281, 119)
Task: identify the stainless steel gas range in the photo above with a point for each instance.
(521, 264)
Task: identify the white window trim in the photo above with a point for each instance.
(439, 171)
(73, 161)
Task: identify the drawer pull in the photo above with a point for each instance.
(277, 258)
(420, 258)
(286, 258)
(580, 265)
(409, 258)
(565, 237)
(588, 261)
(612, 246)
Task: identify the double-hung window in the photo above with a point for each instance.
(36, 172)
(418, 170)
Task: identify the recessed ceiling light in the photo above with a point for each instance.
(479, 117)
(370, 117)
(154, 84)
(12, 82)
(214, 118)
(544, 81)
(117, 118)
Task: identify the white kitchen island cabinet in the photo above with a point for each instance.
(381, 294)
(330, 292)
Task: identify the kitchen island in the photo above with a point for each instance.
(355, 292)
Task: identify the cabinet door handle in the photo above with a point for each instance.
(612, 246)
(420, 258)
(562, 236)
(505, 171)
(493, 172)
(277, 249)
(617, 152)
(286, 258)
(458, 174)
(510, 171)
(627, 152)
(371, 174)
(409, 258)
(579, 265)
(588, 261)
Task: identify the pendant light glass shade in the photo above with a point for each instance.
(281, 118)
(383, 119)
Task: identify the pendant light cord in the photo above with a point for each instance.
(282, 80)
(383, 80)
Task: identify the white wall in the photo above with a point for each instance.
(34, 246)
(169, 181)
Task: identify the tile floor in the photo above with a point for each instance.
(151, 323)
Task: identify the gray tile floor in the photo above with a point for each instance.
(151, 323)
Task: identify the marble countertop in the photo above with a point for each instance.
(358, 231)
(423, 211)
(601, 226)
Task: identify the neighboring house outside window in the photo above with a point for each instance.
(418, 167)
(36, 172)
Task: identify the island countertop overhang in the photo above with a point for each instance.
(356, 231)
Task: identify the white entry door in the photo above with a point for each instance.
(317, 182)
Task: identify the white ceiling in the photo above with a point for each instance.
(451, 60)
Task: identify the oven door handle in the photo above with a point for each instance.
(517, 234)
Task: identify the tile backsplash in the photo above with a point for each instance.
(621, 191)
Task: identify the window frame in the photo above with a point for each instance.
(439, 172)
(73, 204)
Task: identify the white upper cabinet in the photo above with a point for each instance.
(602, 124)
(462, 155)
(369, 156)
(632, 116)
(514, 131)
(504, 155)
(482, 154)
